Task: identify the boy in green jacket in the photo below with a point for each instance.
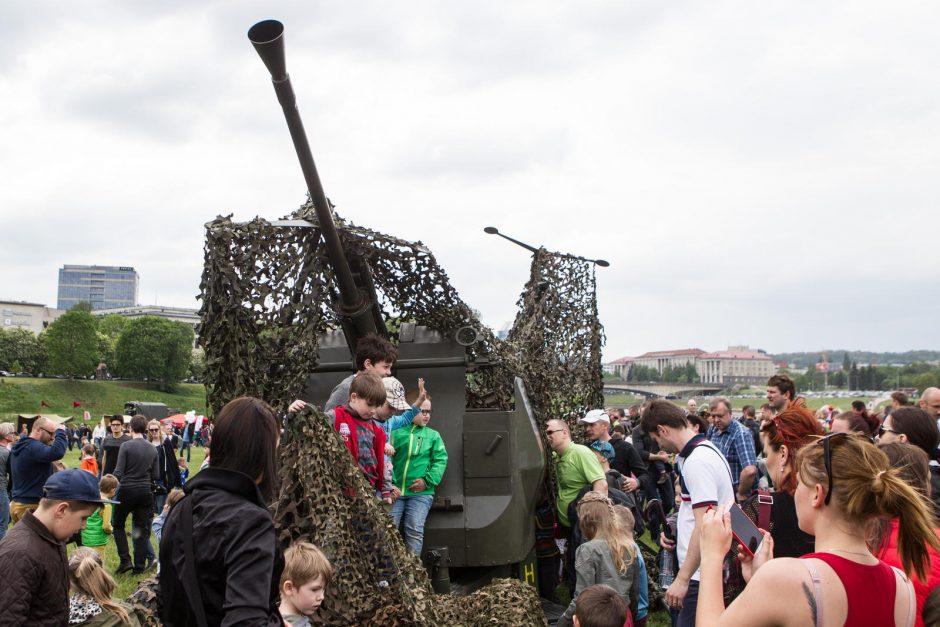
(419, 464)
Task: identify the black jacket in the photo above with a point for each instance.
(238, 563)
(35, 588)
(627, 461)
(169, 476)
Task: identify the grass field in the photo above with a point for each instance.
(25, 395)
(127, 582)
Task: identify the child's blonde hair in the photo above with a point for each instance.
(88, 576)
(304, 562)
(598, 520)
(625, 519)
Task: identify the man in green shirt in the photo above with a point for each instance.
(575, 467)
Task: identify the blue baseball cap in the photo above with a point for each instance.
(73, 484)
(604, 448)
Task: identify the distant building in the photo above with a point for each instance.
(179, 314)
(620, 367)
(32, 316)
(660, 360)
(738, 364)
(105, 287)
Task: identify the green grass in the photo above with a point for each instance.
(24, 396)
(756, 398)
(127, 582)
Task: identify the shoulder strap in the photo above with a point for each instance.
(765, 501)
(911, 605)
(189, 577)
(817, 590)
(717, 452)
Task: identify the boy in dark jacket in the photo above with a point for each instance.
(32, 555)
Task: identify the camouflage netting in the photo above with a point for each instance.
(555, 341)
(267, 296)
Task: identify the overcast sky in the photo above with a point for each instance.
(756, 173)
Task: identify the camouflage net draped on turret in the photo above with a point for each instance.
(267, 295)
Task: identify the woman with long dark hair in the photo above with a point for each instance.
(915, 426)
(219, 558)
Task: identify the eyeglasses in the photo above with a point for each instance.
(117, 424)
(426, 411)
(52, 433)
(551, 431)
(882, 430)
(827, 460)
(154, 430)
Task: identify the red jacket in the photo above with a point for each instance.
(372, 463)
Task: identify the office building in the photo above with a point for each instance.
(105, 287)
(32, 316)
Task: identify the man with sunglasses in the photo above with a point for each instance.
(112, 445)
(31, 464)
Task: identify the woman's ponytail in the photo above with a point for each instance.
(895, 498)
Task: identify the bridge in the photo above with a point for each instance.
(663, 389)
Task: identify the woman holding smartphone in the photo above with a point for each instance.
(843, 483)
(782, 437)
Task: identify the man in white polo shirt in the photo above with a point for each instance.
(705, 480)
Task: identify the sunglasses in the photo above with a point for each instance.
(827, 460)
(551, 431)
(154, 430)
(47, 431)
(883, 430)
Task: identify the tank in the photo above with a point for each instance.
(481, 524)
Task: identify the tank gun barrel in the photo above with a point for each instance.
(268, 39)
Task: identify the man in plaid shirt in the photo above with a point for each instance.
(735, 441)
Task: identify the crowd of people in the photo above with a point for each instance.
(218, 558)
(850, 495)
(845, 501)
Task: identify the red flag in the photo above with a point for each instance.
(43, 404)
(76, 404)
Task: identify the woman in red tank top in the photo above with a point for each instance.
(844, 482)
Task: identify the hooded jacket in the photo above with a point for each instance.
(31, 464)
(419, 454)
(238, 562)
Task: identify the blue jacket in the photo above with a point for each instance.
(31, 464)
(397, 422)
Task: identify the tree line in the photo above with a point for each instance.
(148, 347)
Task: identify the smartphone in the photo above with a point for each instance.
(745, 532)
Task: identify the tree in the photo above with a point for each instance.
(112, 325)
(155, 348)
(72, 344)
(20, 347)
(82, 305)
(925, 380)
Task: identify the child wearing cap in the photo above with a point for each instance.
(32, 556)
(386, 417)
(605, 455)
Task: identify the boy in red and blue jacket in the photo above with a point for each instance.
(355, 423)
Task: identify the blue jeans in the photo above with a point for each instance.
(4, 511)
(689, 606)
(414, 509)
(186, 446)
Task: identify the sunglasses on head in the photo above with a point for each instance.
(827, 460)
